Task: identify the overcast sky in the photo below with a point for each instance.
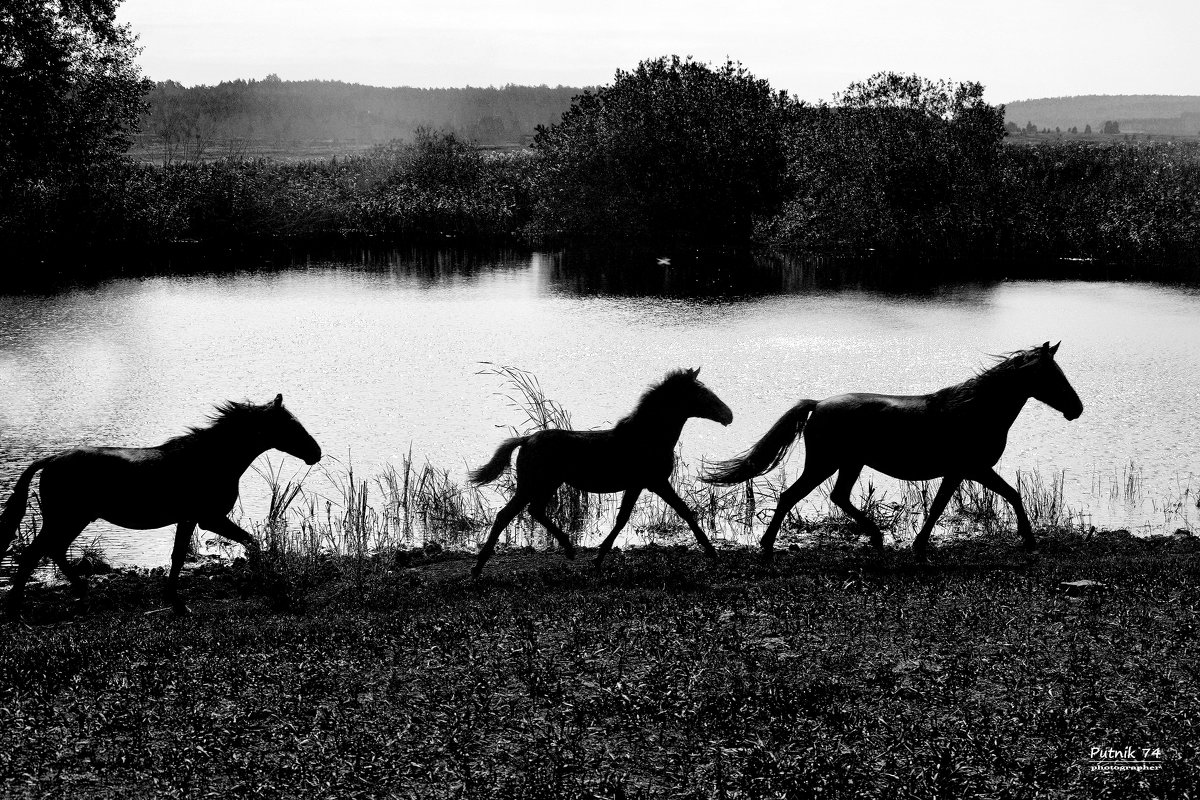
(1019, 49)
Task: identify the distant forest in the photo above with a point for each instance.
(1163, 115)
(187, 122)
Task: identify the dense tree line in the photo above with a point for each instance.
(674, 153)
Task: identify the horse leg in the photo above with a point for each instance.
(537, 510)
(183, 538)
(945, 491)
(223, 526)
(989, 479)
(810, 479)
(53, 539)
(667, 492)
(627, 503)
(503, 518)
(79, 585)
(841, 496)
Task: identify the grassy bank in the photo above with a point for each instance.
(832, 674)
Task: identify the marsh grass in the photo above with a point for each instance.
(1173, 507)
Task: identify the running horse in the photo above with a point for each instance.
(637, 453)
(187, 481)
(957, 433)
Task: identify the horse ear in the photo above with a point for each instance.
(1046, 350)
(1054, 349)
(279, 400)
(695, 373)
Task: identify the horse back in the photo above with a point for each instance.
(908, 436)
(134, 487)
(595, 461)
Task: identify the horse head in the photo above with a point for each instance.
(285, 433)
(702, 402)
(1051, 386)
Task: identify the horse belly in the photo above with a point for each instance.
(166, 498)
(925, 458)
(603, 466)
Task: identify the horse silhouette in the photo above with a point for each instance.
(189, 480)
(637, 453)
(957, 433)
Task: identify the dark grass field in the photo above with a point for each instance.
(832, 674)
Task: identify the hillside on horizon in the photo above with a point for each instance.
(321, 118)
(191, 121)
(1166, 115)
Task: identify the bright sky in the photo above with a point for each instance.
(1019, 49)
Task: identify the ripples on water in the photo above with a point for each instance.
(379, 353)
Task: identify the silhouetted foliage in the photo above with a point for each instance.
(70, 95)
(69, 88)
(898, 164)
(674, 151)
(433, 189)
(1122, 203)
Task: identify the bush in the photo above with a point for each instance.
(899, 165)
(674, 152)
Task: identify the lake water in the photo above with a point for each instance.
(381, 355)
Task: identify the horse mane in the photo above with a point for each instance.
(1004, 368)
(660, 394)
(228, 417)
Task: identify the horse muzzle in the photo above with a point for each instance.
(722, 415)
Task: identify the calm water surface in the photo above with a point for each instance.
(379, 359)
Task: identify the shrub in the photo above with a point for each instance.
(674, 152)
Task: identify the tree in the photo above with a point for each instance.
(70, 92)
(673, 152)
(897, 164)
(1087, 130)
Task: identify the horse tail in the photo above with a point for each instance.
(14, 509)
(767, 452)
(493, 469)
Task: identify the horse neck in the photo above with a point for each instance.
(235, 450)
(1002, 400)
(655, 427)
